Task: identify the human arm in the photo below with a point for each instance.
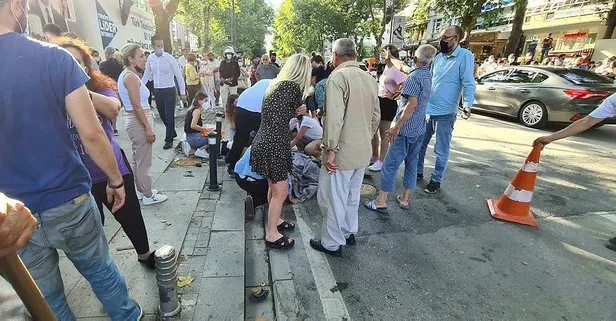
(16, 225)
(133, 85)
(179, 76)
(468, 81)
(300, 134)
(408, 111)
(194, 123)
(105, 105)
(81, 111)
(573, 129)
(236, 71)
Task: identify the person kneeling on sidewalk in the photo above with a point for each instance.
(309, 135)
(254, 184)
(406, 136)
(193, 125)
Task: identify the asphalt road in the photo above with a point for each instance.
(447, 259)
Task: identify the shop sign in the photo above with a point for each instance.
(575, 35)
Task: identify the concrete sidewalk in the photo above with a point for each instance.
(207, 228)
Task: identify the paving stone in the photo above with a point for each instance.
(257, 266)
(285, 300)
(279, 263)
(264, 309)
(181, 179)
(254, 229)
(221, 299)
(200, 251)
(226, 255)
(206, 205)
(229, 214)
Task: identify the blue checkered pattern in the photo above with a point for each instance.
(419, 85)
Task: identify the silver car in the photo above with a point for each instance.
(538, 95)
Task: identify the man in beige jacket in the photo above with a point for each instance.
(351, 118)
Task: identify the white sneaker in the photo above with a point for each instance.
(155, 199)
(201, 153)
(140, 195)
(376, 167)
(186, 148)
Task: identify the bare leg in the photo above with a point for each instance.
(279, 192)
(375, 145)
(381, 200)
(406, 196)
(383, 128)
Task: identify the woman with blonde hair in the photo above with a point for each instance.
(271, 148)
(139, 121)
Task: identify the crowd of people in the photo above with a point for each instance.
(335, 114)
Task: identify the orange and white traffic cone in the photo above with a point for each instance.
(514, 204)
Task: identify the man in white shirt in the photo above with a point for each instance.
(607, 109)
(215, 68)
(183, 60)
(47, 14)
(164, 70)
(309, 135)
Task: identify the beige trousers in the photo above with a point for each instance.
(225, 92)
(142, 152)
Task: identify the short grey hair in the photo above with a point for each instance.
(345, 47)
(110, 51)
(425, 54)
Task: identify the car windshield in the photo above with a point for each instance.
(581, 76)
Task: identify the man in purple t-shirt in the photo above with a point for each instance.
(42, 85)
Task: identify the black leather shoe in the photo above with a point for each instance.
(351, 240)
(167, 145)
(316, 244)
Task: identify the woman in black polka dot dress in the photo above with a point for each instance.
(271, 149)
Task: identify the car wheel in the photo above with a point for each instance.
(533, 114)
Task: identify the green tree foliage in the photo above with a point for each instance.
(468, 11)
(212, 21)
(305, 24)
(418, 23)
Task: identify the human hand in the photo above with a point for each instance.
(543, 140)
(331, 164)
(467, 112)
(183, 98)
(392, 133)
(117, 196)
(301, 110)
(16, 225)
(151, 137)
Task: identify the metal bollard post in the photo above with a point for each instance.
(219, 131)
(214, 187)
(167, 280)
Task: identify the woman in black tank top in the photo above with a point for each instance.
(193, 126)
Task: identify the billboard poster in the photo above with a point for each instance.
(396, 37)
(100, 23)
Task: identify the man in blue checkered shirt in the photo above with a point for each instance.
(406, 136)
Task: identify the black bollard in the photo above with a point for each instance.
(214, 187)
(219, 131)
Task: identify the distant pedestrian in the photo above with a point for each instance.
(452, 77)
(229, 74)
(111, 67)
(546, 46)
(41, 167)
(266, 70)
(406, 136)
(352, 116)
(164, 70)
(52, 31)
(271, 154)
(216, 70)
(607, 109)
(512, 60)
(193, 81)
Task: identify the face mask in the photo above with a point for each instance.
(158, 52)
(444, 46)
(23, 25)
(139, 70)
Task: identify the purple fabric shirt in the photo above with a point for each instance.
(96, 173)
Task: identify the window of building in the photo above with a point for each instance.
(437, 26)
(527, 19)
(549, 15)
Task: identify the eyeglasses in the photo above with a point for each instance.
(447, 38)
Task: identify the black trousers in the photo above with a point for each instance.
(257, 189)
(245, 123)
(129, 216)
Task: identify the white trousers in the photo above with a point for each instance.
(225, 92)
(338, 198)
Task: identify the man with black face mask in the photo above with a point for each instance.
(229, 72)
(452, 77)
(47, 91)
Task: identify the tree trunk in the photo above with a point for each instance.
(516, 30)
(162, 17)
(610, 22)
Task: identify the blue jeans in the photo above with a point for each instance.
(75, 228)
(196, 140)
(402, 149)
(165, 103)
(443, 126)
